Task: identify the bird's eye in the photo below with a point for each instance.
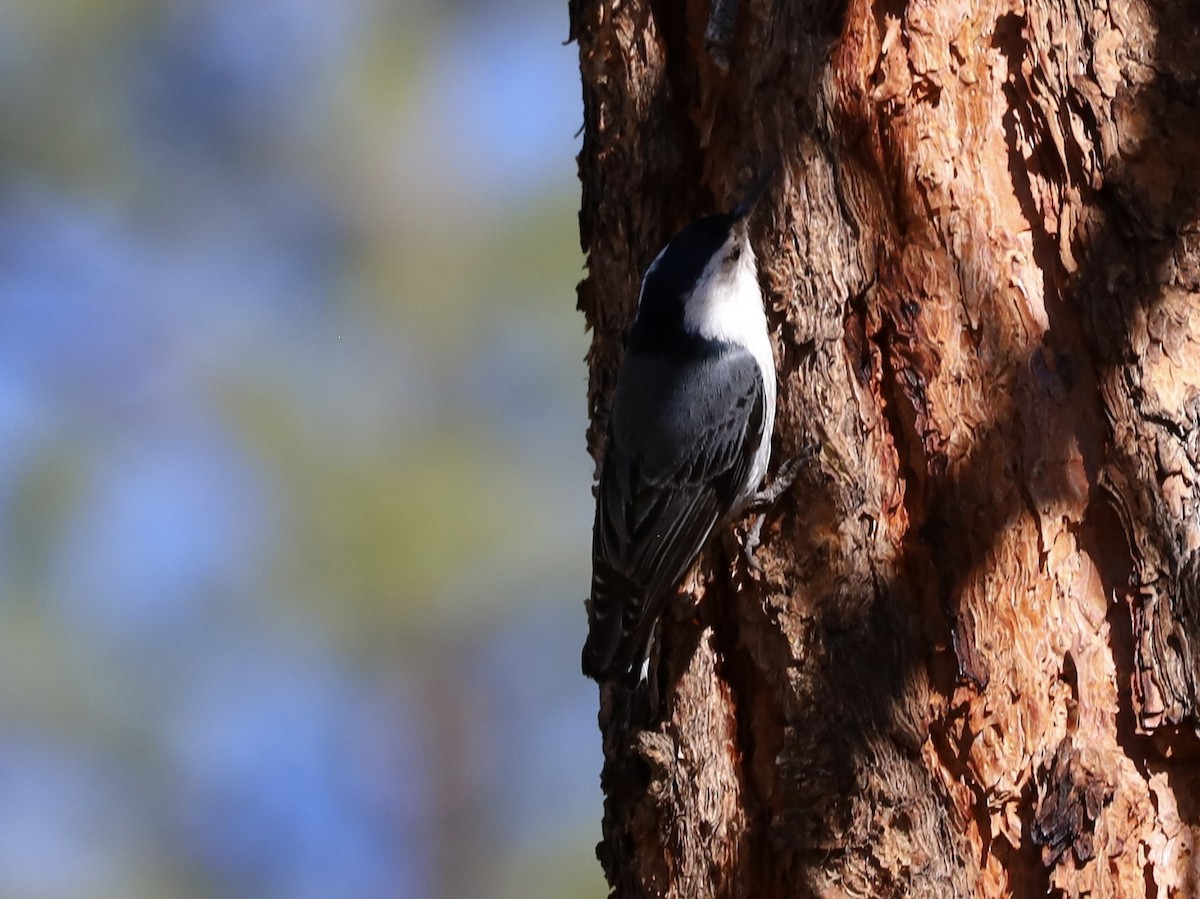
(734, 255)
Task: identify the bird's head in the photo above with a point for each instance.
(704, 276)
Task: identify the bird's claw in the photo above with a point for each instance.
(784, 478)
(750, 542)
(764, 499)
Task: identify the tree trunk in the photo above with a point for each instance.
(972, 667)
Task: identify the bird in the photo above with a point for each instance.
(688, 440)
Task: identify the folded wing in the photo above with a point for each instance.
(668, 479)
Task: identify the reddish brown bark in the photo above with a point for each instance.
(972, 667)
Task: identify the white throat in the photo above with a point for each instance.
(727, 306)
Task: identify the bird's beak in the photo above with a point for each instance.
(745, 208)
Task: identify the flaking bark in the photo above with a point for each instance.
(972, 668)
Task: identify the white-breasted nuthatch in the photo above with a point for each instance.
(689, 432)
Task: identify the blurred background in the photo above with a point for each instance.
(294, 497)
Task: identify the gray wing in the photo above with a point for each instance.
(672, 471)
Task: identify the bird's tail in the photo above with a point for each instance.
(618, 636)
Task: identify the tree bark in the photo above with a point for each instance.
(972, 666)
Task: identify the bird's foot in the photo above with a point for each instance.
(750, 541)
(768, 496)
(784, 478)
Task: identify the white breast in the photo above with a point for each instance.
(728, 306)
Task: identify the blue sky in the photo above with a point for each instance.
(293, 483)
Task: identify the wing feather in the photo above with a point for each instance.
(658, 505)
